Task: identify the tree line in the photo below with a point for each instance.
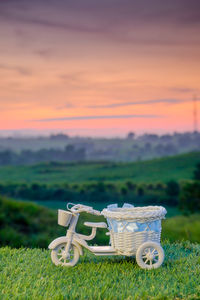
(27, 157)
(132, 148)
(185, 195)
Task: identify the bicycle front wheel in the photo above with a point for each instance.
(60, 257)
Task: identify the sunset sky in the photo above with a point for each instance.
(99, 68)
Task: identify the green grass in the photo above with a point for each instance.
(158, 170)
(182, 228)
(29, 274)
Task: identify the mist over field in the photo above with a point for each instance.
(63, 148)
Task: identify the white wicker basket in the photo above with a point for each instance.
(64, 217)
(135, 213)
(131, 227)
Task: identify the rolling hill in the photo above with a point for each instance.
(158, 170)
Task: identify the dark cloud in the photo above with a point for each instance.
(44, 53)
(48, 21)
(148, 102)
(18, 69)
(67, 105)
(183, 90)
(126, 21)
(74, 78)
(98, 117)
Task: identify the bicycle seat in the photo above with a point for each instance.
(97, 225)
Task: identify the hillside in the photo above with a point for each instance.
(27, 224)
(158, 170)
(31, 225)
(33, 276)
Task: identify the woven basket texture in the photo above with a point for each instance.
(146, 213)
(127, 243)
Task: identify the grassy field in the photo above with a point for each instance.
(182, 228)
(171, 211)
(158, 170)
(29, 274)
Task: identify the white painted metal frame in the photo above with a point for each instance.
(145, 245)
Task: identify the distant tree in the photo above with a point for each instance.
(159, 186)
(189, 200)
(184, 139)
(60, 194)
(27, 157)
(100, 187)
(197, 172)
(172, 191)
(147, 147)
(167, 149)
(75, 186)
(150, 137)
(150, 186)
(172, 188)
(170, 149)
(131, 135)
(80, 154)
(7, 157)
(166, 138)
(130, 185)
(59, 136)
(140, 191)
(124, 191)
(159, 149)
(35, 186)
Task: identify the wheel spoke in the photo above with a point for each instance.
(150, 255)
(61, 257)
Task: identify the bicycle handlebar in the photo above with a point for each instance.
(96, 212)
(78, 208)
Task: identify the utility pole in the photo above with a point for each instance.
(195, 122)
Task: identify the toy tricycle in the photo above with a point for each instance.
(134, 231)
